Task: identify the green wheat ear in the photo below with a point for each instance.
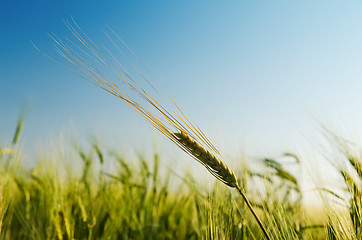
(101, 67)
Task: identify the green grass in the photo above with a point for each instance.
(138, 199)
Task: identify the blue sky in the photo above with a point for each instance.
(256, 76)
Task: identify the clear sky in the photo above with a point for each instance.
(256, 76)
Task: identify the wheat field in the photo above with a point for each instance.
(138, 199)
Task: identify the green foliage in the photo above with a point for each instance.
(136, 198)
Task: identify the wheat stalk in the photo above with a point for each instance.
(102, 67)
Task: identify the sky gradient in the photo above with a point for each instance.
(259, 77)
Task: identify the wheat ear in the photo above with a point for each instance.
(217, 168)
(214, 165)
(101, 67)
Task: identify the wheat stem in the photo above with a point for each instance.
(253, 212)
